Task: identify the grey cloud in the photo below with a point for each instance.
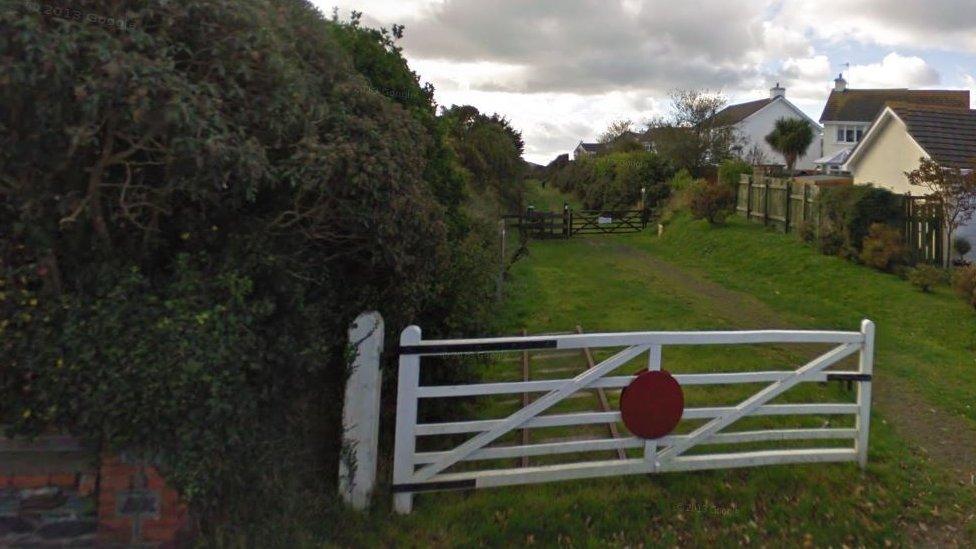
(591, 47)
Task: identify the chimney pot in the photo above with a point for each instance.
(839, 83)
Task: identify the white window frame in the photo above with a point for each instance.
(856, 130)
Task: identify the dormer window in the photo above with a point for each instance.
(849, 134)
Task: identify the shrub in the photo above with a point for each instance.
(730, 172)
(807, 232)
(883, 248)
(188, 225)
(681, 180)
(961, 246)
(854, 208)
(831, 240)
(614, 181)
(964, 283)
(711, 201)
(924, 277)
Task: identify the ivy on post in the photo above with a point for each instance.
(361, 413)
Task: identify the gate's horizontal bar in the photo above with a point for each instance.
(587, 418)
(626, 339)
(754, 459)
(459, 347)
(848, 376)
(432, 486)
(597, 445)
(596, 469)
(616, 382)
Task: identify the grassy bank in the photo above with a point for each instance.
(696, 277)
(928, 339)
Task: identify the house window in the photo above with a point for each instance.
(849, 134)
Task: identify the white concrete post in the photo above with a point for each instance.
(866, 367)
(361, 412)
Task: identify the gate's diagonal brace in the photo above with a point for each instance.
(527, 413)
(755, 401)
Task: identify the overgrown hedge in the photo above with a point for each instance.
(614, 181)
(193, 209)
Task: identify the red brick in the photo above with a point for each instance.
(86, 484)
(63, 480)
(30, 481)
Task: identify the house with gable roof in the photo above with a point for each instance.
(849, 113)
(754, 120)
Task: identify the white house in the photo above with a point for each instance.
(586, 149)
(903, 134)
(849, 112)
(754, 120)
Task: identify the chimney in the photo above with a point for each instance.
(777, 91)
(839, 83)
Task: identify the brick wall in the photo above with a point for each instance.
(136, 506)
(56, 492)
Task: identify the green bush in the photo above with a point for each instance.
(193, 210)
(925, 277)
(730, 172)
(964, 283)
(807, 232)
(614, 181)
(711, 201)
(961, 246)
(852, 209)
(681, 180)
(883, 247)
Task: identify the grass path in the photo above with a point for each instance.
(690, 279)
(948, 439)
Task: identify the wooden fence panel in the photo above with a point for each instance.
(789, 205)
(923, 229)
(780, 202)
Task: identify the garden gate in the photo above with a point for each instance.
(424, 471)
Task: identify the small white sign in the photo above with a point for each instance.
(604, 220)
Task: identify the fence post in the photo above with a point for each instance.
(748, 197)
(865, 367)
(361, 412)
(406, 419)
(789, 204)
(765, 201)
(499, 284)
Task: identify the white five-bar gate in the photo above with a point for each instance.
(415, 471)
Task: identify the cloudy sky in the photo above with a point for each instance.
(561, 70)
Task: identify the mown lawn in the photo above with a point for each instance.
(929, 339)
(697, 277)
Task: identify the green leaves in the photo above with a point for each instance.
(790, 137)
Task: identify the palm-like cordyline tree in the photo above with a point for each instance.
(791, 137)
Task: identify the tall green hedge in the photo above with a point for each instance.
(614, 181)
(193, 209)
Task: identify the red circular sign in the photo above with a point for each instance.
(652, 405)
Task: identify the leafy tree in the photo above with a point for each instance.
(730, 172)
(691, 136)
(791, 137)
(489, 150)
(953, 188)
(614, 130)
(191, 213)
